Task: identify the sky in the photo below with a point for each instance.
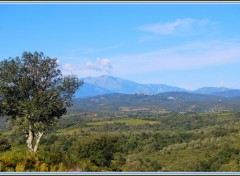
(189, 45)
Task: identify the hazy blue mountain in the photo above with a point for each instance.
(89, 90)
(129, 87)
(228, 93)
(209, 90)
(108, 84)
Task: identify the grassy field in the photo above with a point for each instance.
(126, 121)
(100, 124)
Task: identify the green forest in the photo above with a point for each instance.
(128, 141)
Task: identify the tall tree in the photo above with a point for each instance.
(34, 94)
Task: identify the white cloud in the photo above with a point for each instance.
(188, 56)
(221, 83)
(68, 67)
(100, 65)
(84, 68)
(224, 84)
(179, 26)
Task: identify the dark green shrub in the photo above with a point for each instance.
(4, 144)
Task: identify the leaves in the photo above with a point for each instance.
(33, 90)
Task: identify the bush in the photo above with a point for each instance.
(4, 144)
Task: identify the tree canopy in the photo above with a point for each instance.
(34, 93)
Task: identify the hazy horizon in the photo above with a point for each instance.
(188, 45)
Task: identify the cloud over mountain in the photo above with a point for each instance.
(100, 65)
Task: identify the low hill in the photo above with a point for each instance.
(168, 101)
(209, 90)
(228, 93)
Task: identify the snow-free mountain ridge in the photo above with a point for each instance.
(105, 84)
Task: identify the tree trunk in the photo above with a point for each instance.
(38, 137)
(30, 139)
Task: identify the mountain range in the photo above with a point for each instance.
(107, 93)
(105, 84)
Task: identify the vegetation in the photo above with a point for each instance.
(116, 132)
(130, 141)
(162, 102)
(34, 93)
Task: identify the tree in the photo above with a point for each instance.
(34, 94)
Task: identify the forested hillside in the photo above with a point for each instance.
(167, 101)
(130, 141)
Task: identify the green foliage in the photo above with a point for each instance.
(99, 150)
(140, 163)
(20, 160)
(210, 143)
(4, 143)
(33, 92)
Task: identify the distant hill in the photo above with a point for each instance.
(209, 90)
(222, 91)
(227, 93)
(168, 101)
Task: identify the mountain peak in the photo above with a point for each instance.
(120, 85)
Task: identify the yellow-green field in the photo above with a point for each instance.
(73, 130)
(126, 121)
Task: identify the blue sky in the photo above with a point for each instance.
(190, 45)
